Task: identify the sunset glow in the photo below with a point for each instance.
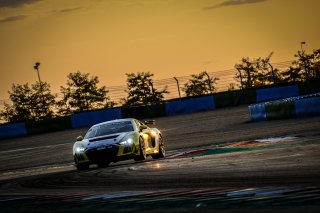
(109, 38)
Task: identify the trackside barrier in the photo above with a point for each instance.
(48, 125)
(145, 111)
(12, 130)
(190, 105)
(257, 112)
(309, 88)
(235, 98)
(308, 107)
(280, 109)
(301, 106)
(270, 94)
(85, 119)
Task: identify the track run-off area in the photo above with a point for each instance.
(216, 161)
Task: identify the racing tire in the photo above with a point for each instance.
(162, 150)
(142, 155)
(103, 164)
(82, 166)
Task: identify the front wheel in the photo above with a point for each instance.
(142, 155)
(162, 150)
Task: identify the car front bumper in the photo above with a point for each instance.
(111, 153)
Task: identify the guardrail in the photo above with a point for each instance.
(294, 107)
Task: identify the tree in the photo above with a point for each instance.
(304, 68)
(29, 103)
(43, 101)
(82, 93)
(317, 70)
(266, 74)
(231, 87)
(141, 90)
(200, 84)
(246, 73)
(316, 64)
(256, 72)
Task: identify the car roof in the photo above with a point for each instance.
(116, 120)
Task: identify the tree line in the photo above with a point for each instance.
(260, 72)
(82, 93)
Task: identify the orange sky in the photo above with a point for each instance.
(109, 38)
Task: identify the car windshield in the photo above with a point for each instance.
(109, 129)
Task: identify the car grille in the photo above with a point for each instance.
(109, 153)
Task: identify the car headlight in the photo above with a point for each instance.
(79, 149)
(128, 141)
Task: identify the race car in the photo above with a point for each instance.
(117, 140)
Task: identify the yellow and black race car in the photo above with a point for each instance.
(117, 140)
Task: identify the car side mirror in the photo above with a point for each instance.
(142, 127)
(80, 138)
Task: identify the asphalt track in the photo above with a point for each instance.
(215, 162)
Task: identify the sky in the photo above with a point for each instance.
(108, 38)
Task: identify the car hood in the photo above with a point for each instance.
(104, 140)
